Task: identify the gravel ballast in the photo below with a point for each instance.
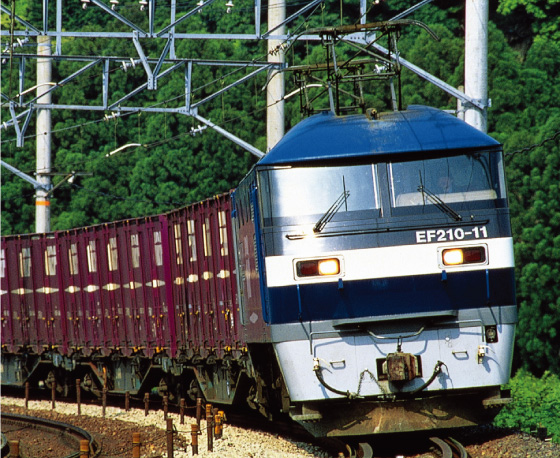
(114, 433)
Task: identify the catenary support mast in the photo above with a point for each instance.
(476, 62)
(43, 130)
(275, 87)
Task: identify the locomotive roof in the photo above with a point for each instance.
(326, 137)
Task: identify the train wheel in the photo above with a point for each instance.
(163, 389)
(194, 390)
(88, 384)
(363, 450)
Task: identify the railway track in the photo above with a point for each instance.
(241, 418)
(336, 447)
(436, 447)
(62, 440)
(449, 448)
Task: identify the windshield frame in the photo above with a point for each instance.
(385, 210)
(295, 211)
(423, 193)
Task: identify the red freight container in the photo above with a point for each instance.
(203, 269)
(161, 283)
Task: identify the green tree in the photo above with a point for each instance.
(535, 404)
(442, 59)
(534, 177)
(173, 168)
(544, 15)
(536, 226)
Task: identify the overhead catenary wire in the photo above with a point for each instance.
(130, 199)
(287, 44)
(156, 143)
(290, 40)
(534, 146)
(210, 12)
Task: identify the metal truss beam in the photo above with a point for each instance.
(143, 86)
(154, 69)
(118, 16)
(26, 24)
(167, 58)
(65, 81)
(25, 177)
(166, 31)
(238, 82)
(20, 132)
(182, 18)
(152, 78)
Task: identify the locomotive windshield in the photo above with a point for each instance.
(317, 195)
(318, 192)
(455, 179)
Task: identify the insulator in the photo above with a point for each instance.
(113, 115)
(114, 3)
(85, 3)
(143, 4)
(229, 6)
(125, 64)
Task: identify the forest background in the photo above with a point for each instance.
(175, 167)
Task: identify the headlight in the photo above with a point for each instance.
(329, 267)
(462, 256)
(317, 267)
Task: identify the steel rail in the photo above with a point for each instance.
(450, 448)
(446, 451)
(4, 446)
(460, 451)
(50, 425)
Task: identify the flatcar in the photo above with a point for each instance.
(359, 279)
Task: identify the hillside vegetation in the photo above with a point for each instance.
(174, 168)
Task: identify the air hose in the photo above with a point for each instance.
(350, 395)
(317, 370)
(437, 371)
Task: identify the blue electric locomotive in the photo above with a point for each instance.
(373, 261)
(384, 270)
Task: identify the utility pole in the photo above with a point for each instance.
(276, 85)
(476, 62)
(43, 130)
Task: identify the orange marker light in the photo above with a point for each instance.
(329, 267)
(452, 257)
(318, 267)
(467, 255)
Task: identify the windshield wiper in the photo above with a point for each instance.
(320, 225)
(440, 204)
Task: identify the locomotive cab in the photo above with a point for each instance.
(386, 263)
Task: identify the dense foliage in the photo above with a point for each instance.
(535, 404)
(173, 167)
